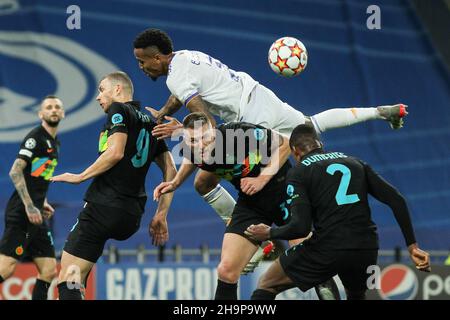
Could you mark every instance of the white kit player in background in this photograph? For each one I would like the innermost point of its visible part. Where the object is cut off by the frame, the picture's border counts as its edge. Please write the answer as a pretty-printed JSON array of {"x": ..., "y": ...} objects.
[{"x": 204, "y": 84}]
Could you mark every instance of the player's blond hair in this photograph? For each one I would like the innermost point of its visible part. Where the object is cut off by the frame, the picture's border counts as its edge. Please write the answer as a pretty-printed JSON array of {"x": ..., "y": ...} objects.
[{"x": 122, "y": 78}]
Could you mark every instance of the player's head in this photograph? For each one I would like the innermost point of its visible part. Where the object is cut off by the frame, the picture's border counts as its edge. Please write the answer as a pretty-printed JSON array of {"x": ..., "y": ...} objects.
[
  {"x": 114, "y": 87},
  {"x": 304, "y": 139},
  {"x": 51, "y": 111},
  {"x": 152, "y": 49},
  {"x": 199, "y": 135}
]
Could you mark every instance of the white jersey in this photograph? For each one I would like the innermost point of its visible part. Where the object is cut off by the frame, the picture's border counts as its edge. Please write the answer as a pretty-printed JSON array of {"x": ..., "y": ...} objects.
[{"x": 225, "y": 91}]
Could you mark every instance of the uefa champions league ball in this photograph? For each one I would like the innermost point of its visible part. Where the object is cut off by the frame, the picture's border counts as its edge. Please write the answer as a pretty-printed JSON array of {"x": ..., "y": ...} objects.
[{"x": 288, "y": 57}]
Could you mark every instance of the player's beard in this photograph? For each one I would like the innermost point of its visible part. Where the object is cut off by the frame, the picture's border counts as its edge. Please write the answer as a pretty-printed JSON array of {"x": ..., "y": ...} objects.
[
  {"x": 153, "y": 78},
  {"x": 51, "y": 123}
]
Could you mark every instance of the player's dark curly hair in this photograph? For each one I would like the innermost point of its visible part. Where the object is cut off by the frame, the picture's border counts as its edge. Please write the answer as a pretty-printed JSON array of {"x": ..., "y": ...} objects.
[{"x": 154, "y": 38}]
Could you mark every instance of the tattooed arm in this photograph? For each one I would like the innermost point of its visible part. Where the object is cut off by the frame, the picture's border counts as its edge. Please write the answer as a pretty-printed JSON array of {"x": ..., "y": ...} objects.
[{"x": 16, "y": 174}]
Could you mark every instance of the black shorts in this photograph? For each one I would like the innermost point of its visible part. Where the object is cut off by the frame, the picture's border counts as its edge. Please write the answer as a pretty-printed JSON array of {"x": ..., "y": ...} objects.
[
  {"x": 263, "y": 208},
  {"x": 95, "y": 225},
  {"x": 26, "y": 241},
  {"x": 308, "y": 266}
]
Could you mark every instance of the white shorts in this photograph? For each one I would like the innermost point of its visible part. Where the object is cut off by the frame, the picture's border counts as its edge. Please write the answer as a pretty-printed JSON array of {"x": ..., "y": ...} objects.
[{"x": 266, "y": 109}]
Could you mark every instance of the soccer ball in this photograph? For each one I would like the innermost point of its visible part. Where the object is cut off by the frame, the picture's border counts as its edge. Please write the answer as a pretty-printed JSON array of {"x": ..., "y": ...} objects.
[{"x": 288, "y": 57}]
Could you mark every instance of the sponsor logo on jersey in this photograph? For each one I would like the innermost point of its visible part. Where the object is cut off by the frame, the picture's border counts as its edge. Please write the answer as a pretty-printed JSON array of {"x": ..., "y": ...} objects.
[{"x": 19, "y": 250}]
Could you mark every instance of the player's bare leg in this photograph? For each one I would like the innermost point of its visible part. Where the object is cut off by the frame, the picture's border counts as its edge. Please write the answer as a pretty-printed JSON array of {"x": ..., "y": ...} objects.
[
  {"x": 46, "y": 273},
  {"x": 207, "y": 185},
  {"x": 272, "y": 282},
  {"x": 7, "y": 267},
  {"x": 72, "y": 276},
  {"x": 264, "y": 250},
  {"x": 236, "y": 253},
  {"x": 275, "y": 280}
]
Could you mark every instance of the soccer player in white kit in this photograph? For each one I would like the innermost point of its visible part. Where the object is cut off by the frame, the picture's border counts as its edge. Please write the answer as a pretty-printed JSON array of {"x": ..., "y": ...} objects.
[{"x": 204, "y": 84}]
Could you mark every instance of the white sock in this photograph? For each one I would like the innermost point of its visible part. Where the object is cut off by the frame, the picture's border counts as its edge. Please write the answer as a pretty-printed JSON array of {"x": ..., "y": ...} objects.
[
  {"x": 221, "y": 201},
  {"x": 339, "y": 118}
]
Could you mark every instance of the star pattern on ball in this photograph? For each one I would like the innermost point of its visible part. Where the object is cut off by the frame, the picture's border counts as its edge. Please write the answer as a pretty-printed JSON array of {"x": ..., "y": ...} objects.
[
  {"x": 278, "y": 44},
  {"x": 296, "y": 50},
  {"x": 281, "y": 64}
]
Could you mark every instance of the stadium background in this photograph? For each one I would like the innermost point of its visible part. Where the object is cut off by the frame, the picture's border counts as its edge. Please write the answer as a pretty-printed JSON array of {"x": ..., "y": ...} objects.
[{"x": 349, "y": 65}]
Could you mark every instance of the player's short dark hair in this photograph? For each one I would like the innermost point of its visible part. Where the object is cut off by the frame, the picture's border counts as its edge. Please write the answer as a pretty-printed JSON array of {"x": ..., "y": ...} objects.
[
  {"x": 50, "y": 96},
  {"x": 195, "y": 119},
  {"x": 154, "y": 38},
  {"x": 303, "y": 137},
  {"x": 123, "y": 78}
]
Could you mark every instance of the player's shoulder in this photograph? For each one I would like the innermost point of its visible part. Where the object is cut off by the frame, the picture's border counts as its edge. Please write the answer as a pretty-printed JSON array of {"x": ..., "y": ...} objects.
[
  {"x": 34, "y": 140},
  {"x": 36, "y": 131},
  {"x": 342, "y": 159},
  {"x": 237, "y": 127},
  {"x": 117, "y": 106},
  {"x": 119, "y": 114},
  {"x": 352, "y": 159},
  {"x": 34, "y": 135},
  {"x": 178, "y": 68},
  {"x": 181, "y": 55},
  {"x": 180, "y": 60},
  {"x": 297, "y": 172}
]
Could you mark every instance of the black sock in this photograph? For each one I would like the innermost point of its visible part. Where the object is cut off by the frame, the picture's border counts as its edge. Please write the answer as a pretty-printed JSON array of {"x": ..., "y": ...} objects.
[
  {"x": 328, "y": 290},
  {"x": 356, "y": 295},
  {"x": 226, "y": 291},
  {"x": 1, "y": 279},
  {"x": 69, "y": 291},
  {"x": 40, "y": 290},
  {"x": 261, "y": 294}
]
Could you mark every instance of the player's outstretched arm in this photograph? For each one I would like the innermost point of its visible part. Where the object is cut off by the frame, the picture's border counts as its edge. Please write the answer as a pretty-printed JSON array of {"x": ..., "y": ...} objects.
[
  {"x": 172, "y": 105},
  {"x": 420, "y": 258},
  {"x": 386, "y": 193},
  {"x": 158, "y": 228},
  {"x": 107, "y": 160},
  {"x": 17, "y": 177},
  {"x": 168, "y": 129},
  {"x": 197, "y": 104},
  {"x": 185, "y": 171},
  {"x": 301, "y": 217},
  {"x": 279, "y": 155},
  {"x": 298, "y": 227}
]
